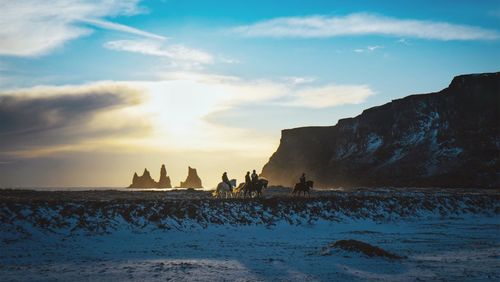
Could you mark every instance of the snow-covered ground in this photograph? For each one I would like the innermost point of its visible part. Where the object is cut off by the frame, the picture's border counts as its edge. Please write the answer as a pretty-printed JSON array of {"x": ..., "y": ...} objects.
[{"x": 441, "y": 237}]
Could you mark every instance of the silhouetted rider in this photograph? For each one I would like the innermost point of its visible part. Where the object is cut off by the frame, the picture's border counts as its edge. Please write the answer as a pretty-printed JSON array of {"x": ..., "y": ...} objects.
[
  {"x": 248, "y": 180},
  {"x": 255, "y": 177},
  {"x": 225, "y": 179},
  {"x": 303, "y": 180}
]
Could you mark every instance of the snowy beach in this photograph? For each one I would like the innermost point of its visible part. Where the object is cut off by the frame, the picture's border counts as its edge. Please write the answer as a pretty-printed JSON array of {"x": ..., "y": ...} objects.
[{"x": 163, "y": 236}]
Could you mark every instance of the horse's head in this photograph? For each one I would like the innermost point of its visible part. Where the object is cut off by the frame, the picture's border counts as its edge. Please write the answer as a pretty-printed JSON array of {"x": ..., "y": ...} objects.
[
  {"x": 310, "y": 183},
  {"x": 233, "y": 182},
  {"x": 264, "y": 182}
]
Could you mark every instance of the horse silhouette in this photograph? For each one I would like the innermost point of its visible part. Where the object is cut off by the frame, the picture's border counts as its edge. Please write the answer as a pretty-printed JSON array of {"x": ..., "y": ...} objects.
[
  {"x": 223, "y": 190},
  {"x": 306, "y": 187},
  {"x": 255, "y": 187},
  {"x": 238, "y": 191}
]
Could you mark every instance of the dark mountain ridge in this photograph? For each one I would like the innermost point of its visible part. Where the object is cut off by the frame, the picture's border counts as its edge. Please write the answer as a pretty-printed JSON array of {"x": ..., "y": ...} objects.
[{"x": 448, "y": 138}]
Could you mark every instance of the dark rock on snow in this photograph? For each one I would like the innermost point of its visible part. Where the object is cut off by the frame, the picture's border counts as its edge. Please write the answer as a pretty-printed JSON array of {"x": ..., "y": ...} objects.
[
  {"x": 445, "y": 139},
  {"x": 361, "y": 247}
]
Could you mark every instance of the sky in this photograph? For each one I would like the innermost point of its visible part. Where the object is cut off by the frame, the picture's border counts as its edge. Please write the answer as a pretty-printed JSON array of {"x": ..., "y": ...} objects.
[{"x": 93, "y": 91}]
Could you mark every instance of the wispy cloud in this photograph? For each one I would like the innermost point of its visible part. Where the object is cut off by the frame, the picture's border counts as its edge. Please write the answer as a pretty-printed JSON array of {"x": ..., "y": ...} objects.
[
  {"x": 227, "y": 60},
  {"x": 297, "y": 80},
  {"x": 33, "y": 28},
  {"x": 368, "y": 49},
  {"x": 495, "y": 13},
  {"x": 330, "y": 96},
  {"x": 154, "y": 48},
  {"x": 363, "y": 24},
  {"x": 404, "y": 41},
  {"x": 122, "y": 28}
]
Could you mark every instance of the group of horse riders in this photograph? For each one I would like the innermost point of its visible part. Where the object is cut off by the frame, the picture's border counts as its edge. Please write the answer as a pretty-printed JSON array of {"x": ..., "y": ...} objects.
[{"x": 251, "y": 180}]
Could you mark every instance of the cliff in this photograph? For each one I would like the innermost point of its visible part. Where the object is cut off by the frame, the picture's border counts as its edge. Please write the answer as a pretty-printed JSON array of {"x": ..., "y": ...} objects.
[
  {"x": 192, "y": 180},
  {"x": 146, "y": 181},
  {"x": 445, "y": 139}
]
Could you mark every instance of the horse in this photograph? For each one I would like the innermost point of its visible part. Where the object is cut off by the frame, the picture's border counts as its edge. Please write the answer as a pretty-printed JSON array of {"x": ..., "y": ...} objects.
[
  {"x": 299, "y": 187},
  {"x": 238, "y": 191},
  {"x": 255, "y": 187},
  {"x": 223, "y": 190}
]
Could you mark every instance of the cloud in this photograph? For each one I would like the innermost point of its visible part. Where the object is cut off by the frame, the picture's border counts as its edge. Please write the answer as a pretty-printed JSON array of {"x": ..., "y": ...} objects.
[
  {"x": 227, "y": 60},
  {"x": 363, "y": 24},
  {"x": 296, "y": 80},
  {"x": 169, "y": 115},
  {"x": 153, "y": 48},
  {"x": 495, "y": 13},
  {"x": 44, "y": 120},
  {"x": 33, "y": 27},
  {"x": 330, "y": 96},
  {"x": 368, "y": 49},
  {"x": 122, "y": 28},
  {"x": 404, "y": 41},
  {"x": 119, "y": 127}
]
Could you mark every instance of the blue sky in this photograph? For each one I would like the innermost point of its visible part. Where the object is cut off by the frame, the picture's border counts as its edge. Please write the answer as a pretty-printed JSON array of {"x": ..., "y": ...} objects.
[{"x": 190, "y": 74}]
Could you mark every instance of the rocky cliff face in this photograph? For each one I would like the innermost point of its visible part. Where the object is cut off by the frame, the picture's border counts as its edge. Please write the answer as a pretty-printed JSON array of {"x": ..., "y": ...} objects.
[
  {"x": 444, "y": 139},
  {"x": 146, "y": 181},
  {"x": 192, "y": 180}
]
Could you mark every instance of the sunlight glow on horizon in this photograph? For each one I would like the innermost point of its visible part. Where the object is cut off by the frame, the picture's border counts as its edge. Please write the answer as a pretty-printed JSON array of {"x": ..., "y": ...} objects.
[{"x": 110, "y": 88}]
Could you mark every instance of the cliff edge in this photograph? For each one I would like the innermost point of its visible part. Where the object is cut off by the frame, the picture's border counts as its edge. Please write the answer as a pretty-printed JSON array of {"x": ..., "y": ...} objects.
[{"x": 448, "y": 138}]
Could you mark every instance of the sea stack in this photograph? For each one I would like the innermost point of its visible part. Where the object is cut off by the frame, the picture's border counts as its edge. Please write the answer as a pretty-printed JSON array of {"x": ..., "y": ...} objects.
[
  {"x": 146, "y": 181},
  {"x": 164, "y": 181},
  {"x": 192, "y": 180}
]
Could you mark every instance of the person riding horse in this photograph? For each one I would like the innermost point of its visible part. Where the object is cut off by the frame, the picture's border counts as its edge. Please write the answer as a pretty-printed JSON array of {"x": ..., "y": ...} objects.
[
  {"x": 248, "y": 180},
  {"x": 253, "y": 184},
  {"x": 303, "y": 179},
  {"x": 225, "y": 179},
  {"x": 303, "y": 185},
  {"x": 255, "y": 177}
]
